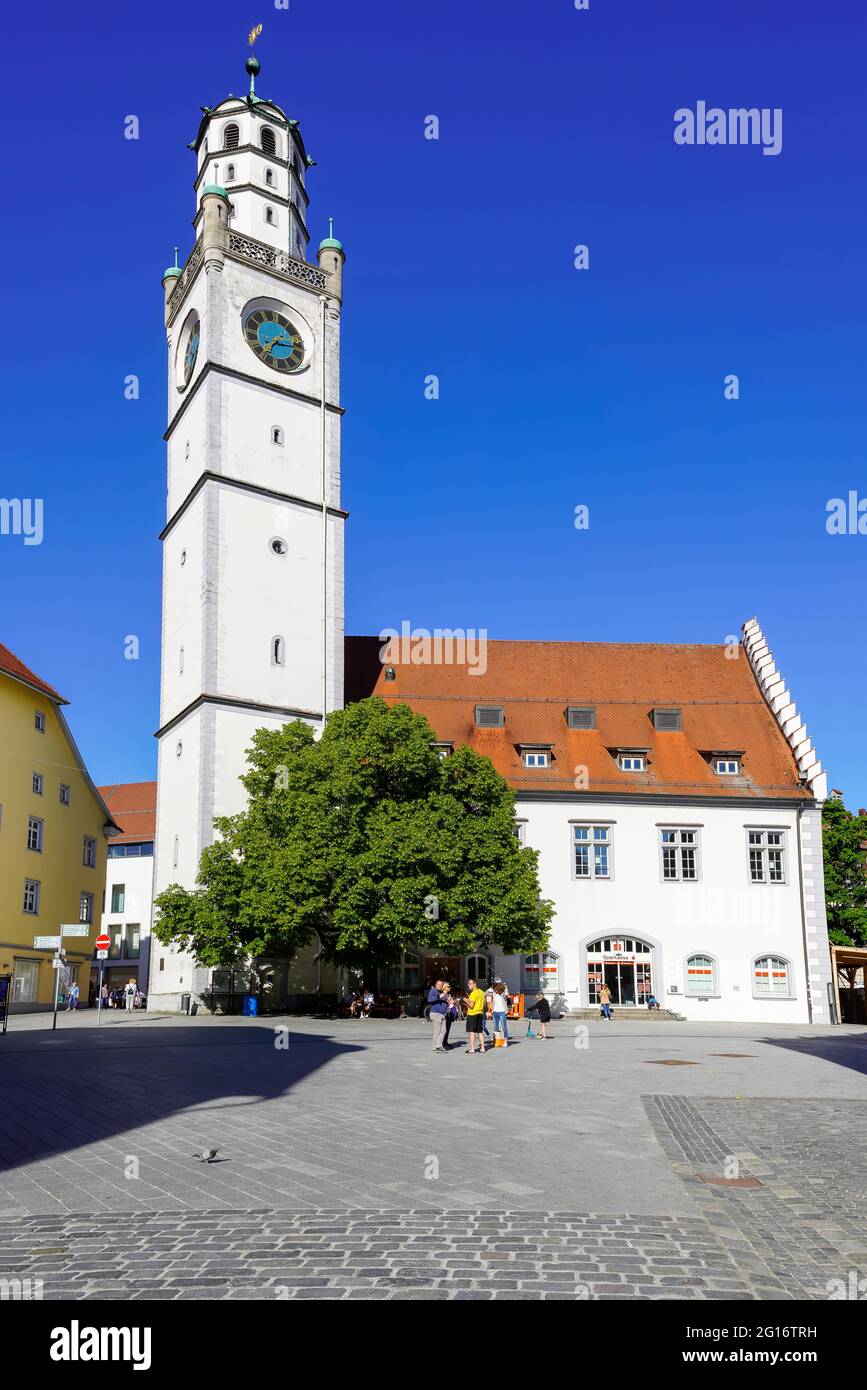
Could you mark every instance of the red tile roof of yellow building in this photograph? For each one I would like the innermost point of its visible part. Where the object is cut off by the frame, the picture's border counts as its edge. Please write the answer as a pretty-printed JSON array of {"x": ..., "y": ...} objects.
[
  {"x": 723, "y": 710},
  {"x": 10, "y": 664}
]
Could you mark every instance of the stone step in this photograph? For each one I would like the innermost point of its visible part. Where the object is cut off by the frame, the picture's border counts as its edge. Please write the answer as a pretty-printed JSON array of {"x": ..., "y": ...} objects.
[{"x": 630, "y": 1015}]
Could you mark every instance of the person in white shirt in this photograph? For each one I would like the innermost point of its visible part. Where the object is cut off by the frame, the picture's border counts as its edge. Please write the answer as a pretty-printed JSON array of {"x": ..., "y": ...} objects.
[{"x": 499, "y": 1010}]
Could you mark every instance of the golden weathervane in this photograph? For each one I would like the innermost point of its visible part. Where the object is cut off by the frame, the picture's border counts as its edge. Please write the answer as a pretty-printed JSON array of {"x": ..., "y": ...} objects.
[{"x": 254, "y": 34}]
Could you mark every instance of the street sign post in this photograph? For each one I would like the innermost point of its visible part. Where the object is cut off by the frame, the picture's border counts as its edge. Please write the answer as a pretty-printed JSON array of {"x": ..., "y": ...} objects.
[
  {"x": 5, "y": 998},
  {"x": 46, "y": 943},
  {"x": 75, "y": 929},
  {"x": 57, "y": 965},
  {"x": 103, "y": 941}
]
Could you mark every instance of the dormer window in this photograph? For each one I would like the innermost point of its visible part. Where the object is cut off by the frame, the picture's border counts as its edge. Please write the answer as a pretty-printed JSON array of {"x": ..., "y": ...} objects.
[
  {"x": 442, "y": 748},
  {"x": 490, "y": 716},
  {"x": 580, "y": 717},
  {"x": 727, "y": 767},
  {"x": 269, "y": 141},
  {"x": 536, "y": 757},
  {"x": 632, "y": 762},
  {"x": 667, "y": 720},
  {"x": 230, "y": 137}
]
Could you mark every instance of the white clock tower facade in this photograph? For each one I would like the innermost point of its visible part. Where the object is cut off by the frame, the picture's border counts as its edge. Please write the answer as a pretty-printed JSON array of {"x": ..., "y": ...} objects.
[{"x": 252, "y": 629}]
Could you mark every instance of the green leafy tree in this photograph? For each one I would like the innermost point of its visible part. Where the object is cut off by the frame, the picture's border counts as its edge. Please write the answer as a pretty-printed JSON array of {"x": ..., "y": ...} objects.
[
  {"x": 364, "y": 840},
  {"x": 844, "y": 837}
]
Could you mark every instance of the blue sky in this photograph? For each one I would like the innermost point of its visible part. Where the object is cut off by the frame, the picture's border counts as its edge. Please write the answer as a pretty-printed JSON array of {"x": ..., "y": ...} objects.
[{"x": 558, "y": 387}]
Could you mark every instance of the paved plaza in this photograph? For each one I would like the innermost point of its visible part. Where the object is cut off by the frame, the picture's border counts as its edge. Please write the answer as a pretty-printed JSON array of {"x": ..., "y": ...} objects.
[{"x": 637, "y": 1159}]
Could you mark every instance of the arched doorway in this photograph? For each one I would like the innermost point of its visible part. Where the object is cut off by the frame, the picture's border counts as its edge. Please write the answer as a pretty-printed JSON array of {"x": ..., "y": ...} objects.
[{"x": 625, "y": 965}]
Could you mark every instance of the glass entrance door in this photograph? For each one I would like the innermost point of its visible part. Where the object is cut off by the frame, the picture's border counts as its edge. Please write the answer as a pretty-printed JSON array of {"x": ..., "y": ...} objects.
[
  {"x": 620, "y": 979},
  {"x": 625, "y": 965}
]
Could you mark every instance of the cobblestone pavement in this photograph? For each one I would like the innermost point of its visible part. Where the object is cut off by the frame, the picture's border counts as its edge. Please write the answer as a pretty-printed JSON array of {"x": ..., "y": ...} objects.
[{"x": 356, "y": 1165}]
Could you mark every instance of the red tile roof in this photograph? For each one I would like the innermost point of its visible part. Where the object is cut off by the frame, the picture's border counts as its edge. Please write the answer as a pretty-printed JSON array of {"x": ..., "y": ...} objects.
[
  {"x": 133, "y": 806},
  {"x": 722, "y": 710},
  {"x": 10, "y": 664}
]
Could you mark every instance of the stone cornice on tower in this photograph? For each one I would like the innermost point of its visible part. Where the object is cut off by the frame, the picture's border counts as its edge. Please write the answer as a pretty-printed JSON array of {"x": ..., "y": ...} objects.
[{"x": 783, "y": 708}]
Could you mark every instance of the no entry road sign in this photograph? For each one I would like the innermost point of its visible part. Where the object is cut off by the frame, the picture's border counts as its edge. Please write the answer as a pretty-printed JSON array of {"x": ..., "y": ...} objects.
[{"x": 103, "y": 941}]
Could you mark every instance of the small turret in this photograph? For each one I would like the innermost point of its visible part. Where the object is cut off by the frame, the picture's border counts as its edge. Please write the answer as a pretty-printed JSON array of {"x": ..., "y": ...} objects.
[
  {"x": 331, "y": 259},
  {"x": 171, "y": 276}
]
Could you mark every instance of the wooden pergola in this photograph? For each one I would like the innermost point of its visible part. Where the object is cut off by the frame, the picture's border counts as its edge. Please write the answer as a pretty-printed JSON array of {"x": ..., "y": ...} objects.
[{"x": 846, "y": 961}]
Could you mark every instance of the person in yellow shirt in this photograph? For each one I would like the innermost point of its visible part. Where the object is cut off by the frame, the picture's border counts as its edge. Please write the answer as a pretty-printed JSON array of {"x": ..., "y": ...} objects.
[{"x": 474, "y": 1000}]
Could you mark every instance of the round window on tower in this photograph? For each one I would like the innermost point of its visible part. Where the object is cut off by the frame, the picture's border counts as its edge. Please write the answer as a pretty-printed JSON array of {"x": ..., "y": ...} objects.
[{"x": 279, "y": 546}]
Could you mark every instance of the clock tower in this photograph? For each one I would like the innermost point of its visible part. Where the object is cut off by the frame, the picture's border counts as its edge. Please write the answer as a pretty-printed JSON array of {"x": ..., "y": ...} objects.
[{"x": 252, "y": 619}]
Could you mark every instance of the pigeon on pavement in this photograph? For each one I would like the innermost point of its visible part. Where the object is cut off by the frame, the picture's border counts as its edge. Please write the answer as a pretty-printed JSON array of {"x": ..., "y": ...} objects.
[{"x": 206, "y": 1155}]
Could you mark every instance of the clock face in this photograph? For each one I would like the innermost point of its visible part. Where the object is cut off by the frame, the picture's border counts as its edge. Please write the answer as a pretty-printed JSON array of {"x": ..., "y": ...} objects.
[
  {"x": 274, "y": 340},
  {"x": 191, "y": 350}
]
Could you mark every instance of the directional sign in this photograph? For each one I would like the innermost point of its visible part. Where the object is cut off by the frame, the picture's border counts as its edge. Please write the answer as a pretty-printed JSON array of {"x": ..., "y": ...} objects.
[
  {"x": 75, "y": 929},
  {"x": 103, "y": 941},
  {"x": 102, "y": 955},
  {"x": 46, "y": 943},
  {"x": 58, "y": 964}
]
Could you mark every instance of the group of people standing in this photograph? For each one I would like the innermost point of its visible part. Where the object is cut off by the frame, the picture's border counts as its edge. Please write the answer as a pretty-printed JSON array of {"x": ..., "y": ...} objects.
[{"x": 478, "y": 1005}]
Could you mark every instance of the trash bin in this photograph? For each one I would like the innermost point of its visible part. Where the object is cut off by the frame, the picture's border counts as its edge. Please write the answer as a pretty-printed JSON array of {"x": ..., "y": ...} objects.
[
  {"x": 185, "y": 1003},
  {"x": 250, "y": 1007}
]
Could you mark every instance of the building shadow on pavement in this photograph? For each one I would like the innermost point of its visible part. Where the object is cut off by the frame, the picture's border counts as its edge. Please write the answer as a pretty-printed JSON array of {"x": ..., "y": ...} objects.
[
  {"x": 62, "y": 1090},
  {"x": 847, "y": 1049}
]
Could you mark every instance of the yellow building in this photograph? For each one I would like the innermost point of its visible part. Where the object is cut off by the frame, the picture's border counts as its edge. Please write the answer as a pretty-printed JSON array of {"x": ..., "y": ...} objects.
[{"x": 53, "y": 831}]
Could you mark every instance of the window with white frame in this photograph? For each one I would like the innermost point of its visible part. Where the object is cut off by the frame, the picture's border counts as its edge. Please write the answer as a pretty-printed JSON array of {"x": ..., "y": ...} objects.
[
  {"x": 632, "y": 762},
  {"x": 269, "y": 177},
  {"x": 271, "y": 217},
  {"x": 89, "y": 853},
  {"x": 38, "y": 784},
  {"x": 767, "y": 851},
  {"x": 726, "y": 767},
  {"x": 701, "y": 975},
  {"x": 592, "y": 846},
  {"x": 34, "y": 834},
  {"x": 85, "y": 910},
  {"x": 519, "y": 830},
  {"x": 118, "y": 897},
  {"x": 39, "y": 721},
  {"x": 64, "y": 794},
  {"x": 771, "y": 976},
  {"x": 32, "y": 888},
  {"x": 442, "y": 748},
  {"x": 535, "y": 757},
  {"x": 679, "y": 851},
  {"x": 230, "y": 173},
  {"x": 540, "y": 973}
]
